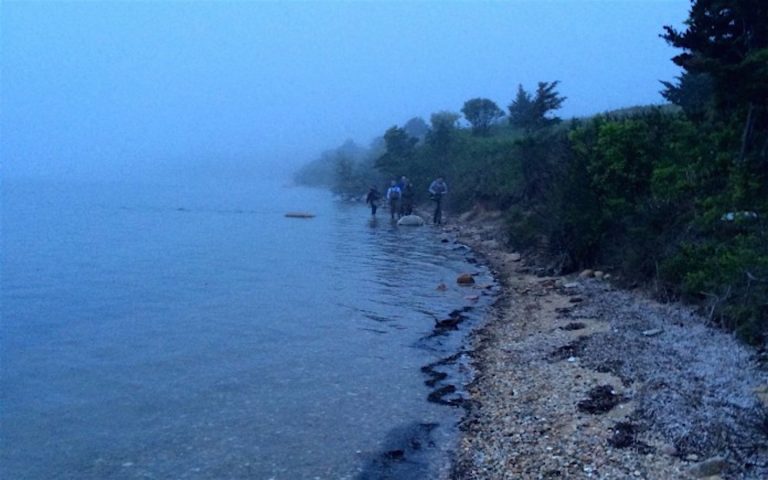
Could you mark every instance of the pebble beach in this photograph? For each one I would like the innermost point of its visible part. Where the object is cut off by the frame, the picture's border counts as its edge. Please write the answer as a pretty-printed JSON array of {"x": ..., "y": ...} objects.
[{"x": 576, "y": 378}]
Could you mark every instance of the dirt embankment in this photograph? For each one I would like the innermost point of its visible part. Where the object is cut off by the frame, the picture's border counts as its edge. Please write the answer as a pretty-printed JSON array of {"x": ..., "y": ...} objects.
[{"x": 578, "y": 379}]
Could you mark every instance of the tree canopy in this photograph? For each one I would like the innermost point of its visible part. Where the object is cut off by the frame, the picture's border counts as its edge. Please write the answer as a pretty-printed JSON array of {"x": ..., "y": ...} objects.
[
  {"x": 481, "y": 113},
  {"x": 531, "y": 112}
]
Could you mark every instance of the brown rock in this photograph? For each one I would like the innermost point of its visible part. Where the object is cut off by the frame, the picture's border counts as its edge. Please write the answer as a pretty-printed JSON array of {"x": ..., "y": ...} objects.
[{"x": 465, "y": 279}]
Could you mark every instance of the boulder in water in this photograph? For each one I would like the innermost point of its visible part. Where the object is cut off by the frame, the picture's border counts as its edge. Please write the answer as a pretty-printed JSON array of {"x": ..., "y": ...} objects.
[
  {"x": 465, "y": 279},
  {"x": 411, "y": 221}
]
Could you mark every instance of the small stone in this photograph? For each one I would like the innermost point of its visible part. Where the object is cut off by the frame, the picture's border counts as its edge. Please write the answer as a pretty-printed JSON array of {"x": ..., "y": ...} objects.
[
  {"x": 571, "y": 285},
  {"x": 652, "y": 332},
  {"x": 442, "y": 287},
  {"x": 668, "y": 449},
  {"x": 514, "y": 257},
  {"x": 692, "y": 457},
  {"x": 465, "y": 279},
  {"x": 587, "y": 273},
  {"x": 599, "y": 274}
]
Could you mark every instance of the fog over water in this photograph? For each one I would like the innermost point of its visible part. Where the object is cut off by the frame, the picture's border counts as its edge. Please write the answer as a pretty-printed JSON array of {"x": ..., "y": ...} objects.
[{"x": 140, "y": 89}]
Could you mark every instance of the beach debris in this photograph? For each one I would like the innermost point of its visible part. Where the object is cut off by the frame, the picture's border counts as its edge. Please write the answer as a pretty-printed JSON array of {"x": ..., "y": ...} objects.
[
  {"x": 574, "y": 326},
  {"x": 395, "y": 454},
  {"x": 625, "y": 436},
  {"x": 465, "y": 279},
  {"x": 300, "y": 215},
  {"x": 600, "y": 400}
]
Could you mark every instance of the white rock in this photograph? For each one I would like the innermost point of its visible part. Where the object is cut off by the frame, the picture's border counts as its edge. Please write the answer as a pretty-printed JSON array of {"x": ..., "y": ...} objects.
[
  {"x": 411, "y": 221},
  {"x": 653, "y": 332}
]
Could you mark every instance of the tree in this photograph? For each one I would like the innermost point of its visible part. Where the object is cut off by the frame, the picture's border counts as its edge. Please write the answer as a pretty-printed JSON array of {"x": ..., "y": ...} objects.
[
  {"x": 693, "y": 93},
  {"x": 444, "y": 126},
  {"x": 416, "y": 128},
  {"x": 481, "y": 113},
  {"x": 728, "y": 41},
  {"x": 530, "y": 112},
  {"x": 399, "y": 150},
  {"x": 521, "y": 110}
]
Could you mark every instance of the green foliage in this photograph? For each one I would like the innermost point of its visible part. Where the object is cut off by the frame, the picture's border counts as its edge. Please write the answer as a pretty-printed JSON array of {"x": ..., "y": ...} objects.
[
  {"x": 400, "y": 148},
  {"x": 676, "y": 196},
  {"x": 727, "y": 40},
  {"x": 481, "y": 113},
  {"x": 444, "y": 127},
  {"x": 531, "y": 112}
]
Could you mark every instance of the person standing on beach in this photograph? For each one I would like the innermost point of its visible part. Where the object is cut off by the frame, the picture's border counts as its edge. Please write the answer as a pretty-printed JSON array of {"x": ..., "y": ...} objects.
[
  {"x": 437, "y": 189},
  {"x": 372, "y": 199},
  {"x": 393, "y": 199},
  {"x": 407, "y": 194}
]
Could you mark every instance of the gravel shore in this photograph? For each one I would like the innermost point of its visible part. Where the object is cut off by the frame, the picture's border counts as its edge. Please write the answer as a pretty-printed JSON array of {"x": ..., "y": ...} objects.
[{"x": 577, "y": 379}]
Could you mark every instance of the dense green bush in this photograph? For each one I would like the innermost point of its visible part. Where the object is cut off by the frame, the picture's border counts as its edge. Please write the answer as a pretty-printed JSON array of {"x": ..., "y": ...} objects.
[{"x": 675, "y": 197}]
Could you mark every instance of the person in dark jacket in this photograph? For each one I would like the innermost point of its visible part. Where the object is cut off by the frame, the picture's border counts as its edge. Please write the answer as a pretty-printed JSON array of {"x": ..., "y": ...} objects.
[
  {"x": 373, "y": 198},
  {"x": 407, "y": 196}
]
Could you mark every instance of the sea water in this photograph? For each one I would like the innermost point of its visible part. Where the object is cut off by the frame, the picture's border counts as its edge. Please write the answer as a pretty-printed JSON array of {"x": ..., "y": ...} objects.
[{"x": 190, "y": 330}]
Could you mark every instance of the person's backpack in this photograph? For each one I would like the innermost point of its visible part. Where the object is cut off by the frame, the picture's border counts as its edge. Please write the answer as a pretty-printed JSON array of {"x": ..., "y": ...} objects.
[{"x": 394, "y": 193}]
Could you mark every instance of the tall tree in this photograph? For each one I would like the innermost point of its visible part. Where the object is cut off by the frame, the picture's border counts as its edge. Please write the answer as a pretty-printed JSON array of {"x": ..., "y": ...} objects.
[
  {"x": 727, "y": 40},
  {"x": 400, "y": 148},
  {"x": 532, "y": 112},
  {"x": 481, "y": 113},
  {"x": 521, "y": 110},
  {"x": 444, "y": 126},
  {"x": 416, "y": 128}
]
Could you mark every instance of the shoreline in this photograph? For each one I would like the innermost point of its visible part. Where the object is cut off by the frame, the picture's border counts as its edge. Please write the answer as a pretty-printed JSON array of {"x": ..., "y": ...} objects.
[{"x": 577, "y": 379}]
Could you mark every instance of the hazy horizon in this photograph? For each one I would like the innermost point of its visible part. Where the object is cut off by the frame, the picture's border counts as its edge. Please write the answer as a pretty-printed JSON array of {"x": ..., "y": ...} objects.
[{"x": 133, "y": 90}]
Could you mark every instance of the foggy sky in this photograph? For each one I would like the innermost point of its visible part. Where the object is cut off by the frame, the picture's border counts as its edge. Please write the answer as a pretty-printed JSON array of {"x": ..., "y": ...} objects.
[{"x": 110, "y": 90}]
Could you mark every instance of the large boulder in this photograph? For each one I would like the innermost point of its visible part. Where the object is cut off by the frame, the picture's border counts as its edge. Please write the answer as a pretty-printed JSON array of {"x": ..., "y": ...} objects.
[{"x": 411, "y": 221}]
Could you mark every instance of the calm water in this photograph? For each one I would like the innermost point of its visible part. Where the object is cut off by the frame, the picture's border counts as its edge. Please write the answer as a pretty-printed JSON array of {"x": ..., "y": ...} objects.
[{"x": 195, "y": 332}]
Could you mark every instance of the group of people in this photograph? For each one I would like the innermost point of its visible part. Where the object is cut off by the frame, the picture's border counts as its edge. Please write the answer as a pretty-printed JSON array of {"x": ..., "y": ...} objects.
[{"x": 400, "y": 196}]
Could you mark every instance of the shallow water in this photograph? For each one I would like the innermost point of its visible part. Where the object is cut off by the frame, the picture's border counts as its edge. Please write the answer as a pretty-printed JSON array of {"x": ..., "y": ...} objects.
[{"x": 192, "y": 331}]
